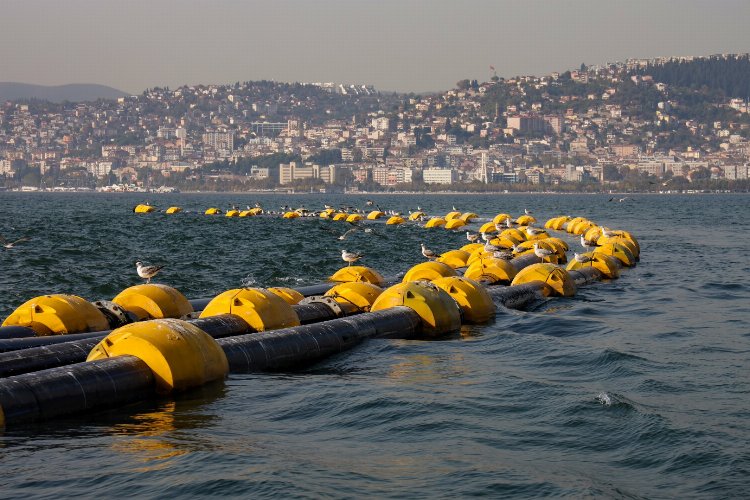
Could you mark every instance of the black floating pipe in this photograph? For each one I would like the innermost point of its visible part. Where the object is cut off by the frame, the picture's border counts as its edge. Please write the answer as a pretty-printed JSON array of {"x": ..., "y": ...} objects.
[
  {"x": 112, "y": 382},
  {"x": 308, "y": 313},
  {"x": 525, "y": 260},
  {"x": 290, "y": 347},
  {"x": 585, "y": 275},
  {"x": 16, "y": 332},
  {"x": 96, "y": 385},
  {"x": 40, "y": 357},
  {"x": 7, "y": 345},
  {"x": 518, "y": 296}
]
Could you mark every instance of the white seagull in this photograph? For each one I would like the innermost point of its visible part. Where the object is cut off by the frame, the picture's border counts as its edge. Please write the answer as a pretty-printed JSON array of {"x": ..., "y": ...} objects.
[
  {"x": 502, "y": 254},
  {"x": 147, "y": 272},
  {"x": 542, "y": 253},
  {"x": 351, "y": 256},
  {"x": 472, "y": 237},
  {"x": 532, "y": 231},
  {"x": 489, "y": 247},
  {"x": 343, "y": 236},
  {"x": 486, "y": 237},
  {"x": 527, "y": 211},
  {"x": 10, "y": 244},
  {"x": 587, "y": 245},
  {"x": 508, "y": 223},
  {"x": 429, "y": 253},
  {"x": 582, "y": 258}
]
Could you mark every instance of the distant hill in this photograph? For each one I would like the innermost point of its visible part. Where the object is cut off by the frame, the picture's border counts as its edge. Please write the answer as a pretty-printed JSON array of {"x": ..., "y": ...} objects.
[
  {"x": 729, "y": 75},
  {"x": 75, "y": 92}
]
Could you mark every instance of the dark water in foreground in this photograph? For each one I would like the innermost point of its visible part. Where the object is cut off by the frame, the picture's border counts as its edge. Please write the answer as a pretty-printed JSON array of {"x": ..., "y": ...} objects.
[{"x": 633, "y": 388}]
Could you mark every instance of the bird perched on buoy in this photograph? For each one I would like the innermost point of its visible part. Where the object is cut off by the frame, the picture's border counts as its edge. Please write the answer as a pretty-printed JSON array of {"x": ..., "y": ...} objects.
[
  {"x": 351, "y": 256},
  {"x": 429, "y": 253},
  {"x": 502, "y": 254},
  {"x": 508, "y": 223},
  {"x": 532, "y": 231},
  {"x": 147, "y": 272},
  {"x": 472, "y": 237},
  {"x": 489, "y": 247},
  {"x": 486, "y": 237},
  {"x": 542, "y": 253},
  {"x": 582, "y": 258},
  {"x": 586, "y": 244}
]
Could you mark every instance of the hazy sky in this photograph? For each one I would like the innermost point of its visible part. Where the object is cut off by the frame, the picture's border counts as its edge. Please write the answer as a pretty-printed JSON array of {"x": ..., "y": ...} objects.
[{"x": 404, "y": 45}]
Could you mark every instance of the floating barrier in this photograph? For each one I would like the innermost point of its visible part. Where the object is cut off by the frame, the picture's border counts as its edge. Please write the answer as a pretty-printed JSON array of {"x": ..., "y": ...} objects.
[
  {"x": 27, "y": 355},
  {"x": 247, "y": 330}
]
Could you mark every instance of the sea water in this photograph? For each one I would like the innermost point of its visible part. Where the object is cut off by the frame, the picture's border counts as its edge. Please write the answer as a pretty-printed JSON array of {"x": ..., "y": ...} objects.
[{"x": 636, "y": 387}]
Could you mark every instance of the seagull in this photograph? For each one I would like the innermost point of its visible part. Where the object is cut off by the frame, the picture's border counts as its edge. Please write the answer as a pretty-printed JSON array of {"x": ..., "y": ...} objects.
[
  {"x": 10, "y": 244},
  {"x": 486, "y": 237},
  {"x": 454, "y": 208},
  {"x": 542, "y": 253},
  {"x": 147, "y": 272},
  {"x": 582, "y": 258},
  {"x": 429, "y": 253},
  {"x": 472, "y": 237},
  {"x": 508, "y": 223},
  {"x": 532, "y": 231},
  {"x": 499, "y": 227},
  {"x": 607, "y": 233},
  {"x": 502, "y": 254},
  {"x": 489, "y": 247},
  {"x": 369, "y": 203},
  {"x": 351, "y": 256},
  {"x": 586, "y": 244},
  {"x": 527, "y": 211},
  {"x": 347, "y": 233}
]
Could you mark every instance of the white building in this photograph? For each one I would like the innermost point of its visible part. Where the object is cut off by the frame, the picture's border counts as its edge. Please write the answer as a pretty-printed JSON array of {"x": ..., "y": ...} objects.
[{"x": 439, "y": 176}]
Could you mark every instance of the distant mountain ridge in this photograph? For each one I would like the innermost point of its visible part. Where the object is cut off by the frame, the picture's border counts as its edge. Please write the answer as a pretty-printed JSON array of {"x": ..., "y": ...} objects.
[{"x": 74, "y": 92}]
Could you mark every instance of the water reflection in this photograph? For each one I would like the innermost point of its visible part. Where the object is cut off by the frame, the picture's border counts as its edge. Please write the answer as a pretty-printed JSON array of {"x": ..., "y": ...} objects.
[
  {"x": 154, "y": 437},
  {"x": 425, "y": 368}
]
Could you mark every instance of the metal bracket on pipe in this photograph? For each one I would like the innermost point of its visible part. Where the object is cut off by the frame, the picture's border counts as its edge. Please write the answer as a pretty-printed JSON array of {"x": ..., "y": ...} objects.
[
  {"x": 328, "y": 301},
  {"x": 116, "y": 315}
]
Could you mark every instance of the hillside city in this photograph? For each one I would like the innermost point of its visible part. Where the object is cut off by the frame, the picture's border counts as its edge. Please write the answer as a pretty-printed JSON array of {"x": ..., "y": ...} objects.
[{"x": 638, "y": 125}]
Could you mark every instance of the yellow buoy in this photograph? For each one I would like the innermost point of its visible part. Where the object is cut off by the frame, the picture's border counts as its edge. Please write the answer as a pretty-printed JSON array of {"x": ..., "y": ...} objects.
[
  {"x": 454, "y": 224},
  {"x": 439, "y": 312},
  {"x": 472, "y": 298},
  {"x": 435, "y": 222}
]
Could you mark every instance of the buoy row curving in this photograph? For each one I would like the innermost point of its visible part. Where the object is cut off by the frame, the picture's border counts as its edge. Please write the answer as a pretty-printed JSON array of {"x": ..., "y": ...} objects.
[{"x": 160, "y": 349}]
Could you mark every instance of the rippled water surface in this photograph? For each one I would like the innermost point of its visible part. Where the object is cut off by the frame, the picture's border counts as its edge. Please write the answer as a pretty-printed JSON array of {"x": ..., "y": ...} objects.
[{"x": 633, "y": 388}]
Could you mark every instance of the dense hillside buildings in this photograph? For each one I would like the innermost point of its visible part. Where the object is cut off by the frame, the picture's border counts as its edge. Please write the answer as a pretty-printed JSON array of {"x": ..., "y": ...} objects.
[{"x": 602, "y": 125}]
